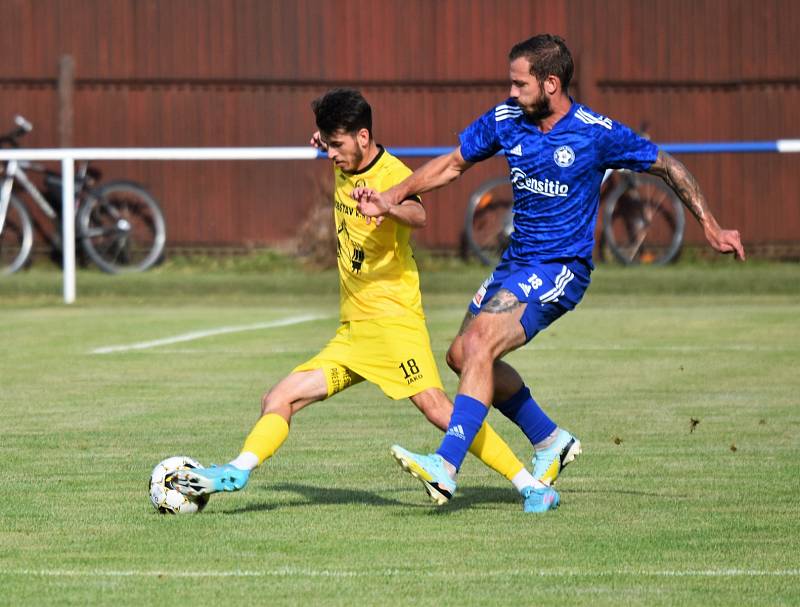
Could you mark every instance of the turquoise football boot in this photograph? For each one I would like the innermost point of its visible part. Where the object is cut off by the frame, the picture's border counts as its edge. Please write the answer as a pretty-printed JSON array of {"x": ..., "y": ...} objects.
[
  {"x": 204, "y": 481},
  {"x": 548, "y": 463},
  {"x": 539, "y": 500},
  {"x": 429, "y": 470}
]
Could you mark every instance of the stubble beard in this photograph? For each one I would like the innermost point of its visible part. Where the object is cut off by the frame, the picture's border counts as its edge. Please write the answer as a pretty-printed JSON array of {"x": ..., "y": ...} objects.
[
  {"x": 541, "y": 108},
  {"x": 358, "y": 158}
]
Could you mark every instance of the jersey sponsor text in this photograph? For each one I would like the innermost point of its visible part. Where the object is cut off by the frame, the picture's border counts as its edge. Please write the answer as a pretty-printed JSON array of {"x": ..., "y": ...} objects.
[{"x": 545, "y": 187}]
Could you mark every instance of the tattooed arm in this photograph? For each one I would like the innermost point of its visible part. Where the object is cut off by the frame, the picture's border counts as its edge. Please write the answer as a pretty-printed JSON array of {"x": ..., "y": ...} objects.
[{"x": 678, "y": 177}]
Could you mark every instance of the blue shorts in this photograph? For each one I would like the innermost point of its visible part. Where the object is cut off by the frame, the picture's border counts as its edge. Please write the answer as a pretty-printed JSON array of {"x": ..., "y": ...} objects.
[{"x": 549, "y": 288}]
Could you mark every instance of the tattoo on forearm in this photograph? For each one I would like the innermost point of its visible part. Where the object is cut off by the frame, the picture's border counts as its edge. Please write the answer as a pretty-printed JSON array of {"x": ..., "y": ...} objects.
[
  {"x": 503, "y": 301},
  {"x": 686, "y": 186}
]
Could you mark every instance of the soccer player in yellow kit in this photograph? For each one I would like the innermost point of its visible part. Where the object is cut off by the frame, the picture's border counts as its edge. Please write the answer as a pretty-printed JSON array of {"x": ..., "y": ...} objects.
[{"x": 382, "y": 337}]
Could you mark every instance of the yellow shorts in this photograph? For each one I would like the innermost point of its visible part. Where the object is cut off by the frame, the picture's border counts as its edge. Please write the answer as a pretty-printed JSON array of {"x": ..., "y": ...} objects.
[{"x": 392, "y": 353}]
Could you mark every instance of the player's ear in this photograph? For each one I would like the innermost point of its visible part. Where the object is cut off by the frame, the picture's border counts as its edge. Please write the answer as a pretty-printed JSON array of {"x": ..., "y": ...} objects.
[
  {"x": 363, "y": 137},
  {"x": 552, "y": 84}
]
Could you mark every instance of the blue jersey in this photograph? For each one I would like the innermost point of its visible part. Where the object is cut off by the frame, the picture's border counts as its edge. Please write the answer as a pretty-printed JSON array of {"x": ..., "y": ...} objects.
[{"x": 556, "y": 176}]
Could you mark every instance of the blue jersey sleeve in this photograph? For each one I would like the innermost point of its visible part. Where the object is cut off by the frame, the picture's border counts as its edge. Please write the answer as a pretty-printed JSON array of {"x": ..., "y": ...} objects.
[
  {"x": 624, "y": 149},
  {"x": 479, "y": 140}
]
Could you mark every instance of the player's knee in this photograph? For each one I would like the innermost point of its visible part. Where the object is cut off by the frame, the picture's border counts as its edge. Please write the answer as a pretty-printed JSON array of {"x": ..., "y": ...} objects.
[
  {"x": 454, "y": 358},
  {"x": 266, "y": 401},
  {"x": 475, "y": 346},
  {"x": 271, "y": 403}
]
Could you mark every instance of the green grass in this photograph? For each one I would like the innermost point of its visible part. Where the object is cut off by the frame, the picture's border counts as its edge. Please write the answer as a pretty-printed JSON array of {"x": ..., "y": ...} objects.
[{"x": 652, "y": 514}]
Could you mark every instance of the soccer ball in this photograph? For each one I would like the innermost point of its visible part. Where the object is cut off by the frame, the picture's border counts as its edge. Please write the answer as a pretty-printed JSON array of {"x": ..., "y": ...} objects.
[{"x": 163, "y": 494}]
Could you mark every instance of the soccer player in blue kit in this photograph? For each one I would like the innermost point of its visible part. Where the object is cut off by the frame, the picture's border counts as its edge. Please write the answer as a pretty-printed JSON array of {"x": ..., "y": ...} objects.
[{"x": 557, "y": 152}]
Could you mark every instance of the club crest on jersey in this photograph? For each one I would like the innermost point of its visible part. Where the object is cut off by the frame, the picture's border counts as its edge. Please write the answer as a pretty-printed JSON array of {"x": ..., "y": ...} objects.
[{"x": 564, "y": 156}]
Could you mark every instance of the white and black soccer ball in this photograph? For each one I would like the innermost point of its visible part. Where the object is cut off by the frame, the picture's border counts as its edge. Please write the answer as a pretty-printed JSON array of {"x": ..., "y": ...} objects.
[{"x": 163, "y": 494}]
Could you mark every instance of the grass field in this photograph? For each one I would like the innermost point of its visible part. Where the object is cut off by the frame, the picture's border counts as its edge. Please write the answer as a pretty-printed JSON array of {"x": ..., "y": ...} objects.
[{"x": 658, "y": 511}]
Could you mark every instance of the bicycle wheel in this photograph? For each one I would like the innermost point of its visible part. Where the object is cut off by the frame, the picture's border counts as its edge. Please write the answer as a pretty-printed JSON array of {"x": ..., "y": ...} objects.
[
  {"x": 643, "y": 221},
  {"x": 16, "y": 237},
  {"x": 121, "y": 227},
  {"x": 489, "y": 220}
]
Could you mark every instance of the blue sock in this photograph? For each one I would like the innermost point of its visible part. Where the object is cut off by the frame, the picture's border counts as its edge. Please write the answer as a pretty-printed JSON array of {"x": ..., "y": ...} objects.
[
  {"x": 528, "y": 415},
  {"x": 466, "y": 421}
]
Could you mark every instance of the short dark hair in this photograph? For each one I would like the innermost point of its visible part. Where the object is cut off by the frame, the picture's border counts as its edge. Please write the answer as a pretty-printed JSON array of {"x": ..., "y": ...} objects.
[
  {"x": 342, "y": 109},
  {"x": 547, "y": 54}
]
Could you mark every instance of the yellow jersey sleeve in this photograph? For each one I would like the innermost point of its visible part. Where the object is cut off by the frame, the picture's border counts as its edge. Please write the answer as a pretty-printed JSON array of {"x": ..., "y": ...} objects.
[{"x": 378, "y": 276}]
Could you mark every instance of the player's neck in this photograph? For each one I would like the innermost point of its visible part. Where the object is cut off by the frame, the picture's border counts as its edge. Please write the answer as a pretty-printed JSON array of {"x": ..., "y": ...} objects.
[
  {"x": 369, "y": 157},
  {"x": 561, "y": 106}
]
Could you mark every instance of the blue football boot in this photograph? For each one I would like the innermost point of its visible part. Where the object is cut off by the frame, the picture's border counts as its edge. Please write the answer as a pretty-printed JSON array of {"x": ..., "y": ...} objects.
[
  {"x": 548, "y": 463},
  {"x": 204, "y": 481},
  {"x": 429, "y": 470},
  {"x": 539, "y": 500}
]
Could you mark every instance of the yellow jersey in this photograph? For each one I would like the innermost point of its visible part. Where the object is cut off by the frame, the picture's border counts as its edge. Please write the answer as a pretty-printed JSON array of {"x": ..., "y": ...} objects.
[{"x": 378, "y": 276}]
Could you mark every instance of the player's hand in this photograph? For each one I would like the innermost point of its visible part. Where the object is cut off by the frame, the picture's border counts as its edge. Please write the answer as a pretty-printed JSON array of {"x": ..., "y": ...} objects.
[
  {"x": 373, "y": 205},
  {"x": 316, "y": 141},
  {"x": 726, "y": 241}
]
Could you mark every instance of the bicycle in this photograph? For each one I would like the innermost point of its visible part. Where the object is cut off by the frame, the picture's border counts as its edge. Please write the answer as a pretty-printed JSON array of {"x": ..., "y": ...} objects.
[
  {"x": 119, "y": 224},
  {"x": 643, "y": 220}
]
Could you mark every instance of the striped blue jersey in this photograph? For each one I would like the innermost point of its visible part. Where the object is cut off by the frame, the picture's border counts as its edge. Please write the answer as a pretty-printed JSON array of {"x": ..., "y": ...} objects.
[{"x": 556, "y": 176}]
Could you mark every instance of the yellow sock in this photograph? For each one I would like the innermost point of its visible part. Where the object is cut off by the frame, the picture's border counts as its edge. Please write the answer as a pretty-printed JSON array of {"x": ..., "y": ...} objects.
[
  {"x": 495, "y": 453},
  {"x": 266, "y": 436}
]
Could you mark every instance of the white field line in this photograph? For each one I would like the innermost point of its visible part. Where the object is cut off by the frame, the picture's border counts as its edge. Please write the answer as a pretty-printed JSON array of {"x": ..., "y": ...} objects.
[
  {"x": 143, "y": 345},
  {"x": 393, "y": 573}
]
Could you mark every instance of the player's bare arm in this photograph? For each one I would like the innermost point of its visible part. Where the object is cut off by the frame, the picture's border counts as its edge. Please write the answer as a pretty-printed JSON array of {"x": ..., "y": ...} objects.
[
  {"x": 432, "y": 175},
  {"x": 410, "y": 213},
  {"x": 678, "y": 177}
]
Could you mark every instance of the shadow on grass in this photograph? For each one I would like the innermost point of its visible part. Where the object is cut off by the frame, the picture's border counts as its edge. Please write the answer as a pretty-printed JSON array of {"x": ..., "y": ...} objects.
[
  {"x": 491, "y": 498},
  {"x": 317, "y": 495},
  {"x": 485, "y": 498},
  {"x": 472, "y": 497}
]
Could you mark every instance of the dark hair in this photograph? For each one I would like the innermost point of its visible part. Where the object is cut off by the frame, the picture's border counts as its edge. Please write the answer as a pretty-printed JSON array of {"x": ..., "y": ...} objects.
[
  {"x": 548, "y": 55},
  {"x": 342, "y": 109}
]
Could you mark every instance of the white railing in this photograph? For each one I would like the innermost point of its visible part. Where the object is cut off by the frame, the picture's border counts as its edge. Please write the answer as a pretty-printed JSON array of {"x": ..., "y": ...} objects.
[{"x": 68, "y": 156}]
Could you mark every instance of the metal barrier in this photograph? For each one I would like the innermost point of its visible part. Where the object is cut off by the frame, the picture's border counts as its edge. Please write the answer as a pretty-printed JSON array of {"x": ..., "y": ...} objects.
[{"x": 68, "y": 156}]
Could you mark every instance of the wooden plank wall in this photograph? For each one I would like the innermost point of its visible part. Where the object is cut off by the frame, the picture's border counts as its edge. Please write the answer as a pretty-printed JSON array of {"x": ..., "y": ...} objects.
[
  {"x": 713, "y": 70},
  {"x": 243, "y": 72}
]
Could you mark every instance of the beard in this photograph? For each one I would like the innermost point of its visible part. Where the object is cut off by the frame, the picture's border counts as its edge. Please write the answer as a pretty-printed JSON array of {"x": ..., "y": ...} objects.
[
  {"x": 540, "y": 109},
  {"x": 358, "y": 158}
]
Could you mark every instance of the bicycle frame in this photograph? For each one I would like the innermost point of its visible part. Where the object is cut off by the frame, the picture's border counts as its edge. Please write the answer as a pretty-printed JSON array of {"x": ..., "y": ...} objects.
[
  {"x": 14, "y": 172},
  {"x": 5, "y": 194}
]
